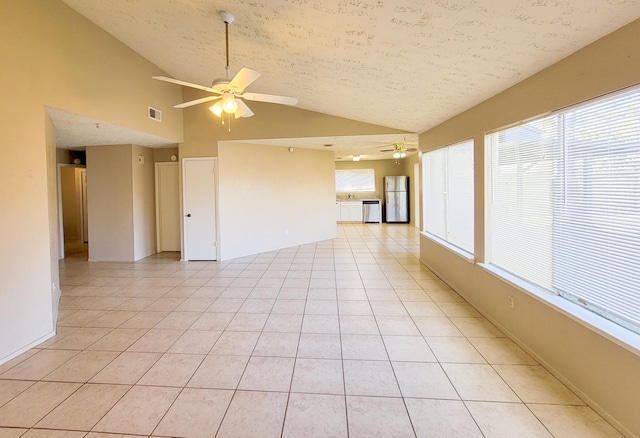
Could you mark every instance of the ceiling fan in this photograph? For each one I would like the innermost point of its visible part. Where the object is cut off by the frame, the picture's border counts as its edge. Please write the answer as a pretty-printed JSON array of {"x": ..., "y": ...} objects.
[
  {"x": 399, "y": 150},
  {"x": 230, "y": 92}
]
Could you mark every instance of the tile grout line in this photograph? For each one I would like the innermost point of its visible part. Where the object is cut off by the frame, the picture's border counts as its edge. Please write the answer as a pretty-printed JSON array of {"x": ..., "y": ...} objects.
[
  {"x": 344, "y": 380},
  {"x": 386, "y": 247},
  {"x": 187, "y": 382},
  {"x": 295, "y": 361},
  {"x": 235, "y": 391},
  {"x": 391, "y": 365}
]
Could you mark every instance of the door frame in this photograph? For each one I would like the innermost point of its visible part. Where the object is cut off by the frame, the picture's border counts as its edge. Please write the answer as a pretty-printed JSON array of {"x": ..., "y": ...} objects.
[
  {"x": 157, "y": 196},
  {"x": 183, "y": 240}
]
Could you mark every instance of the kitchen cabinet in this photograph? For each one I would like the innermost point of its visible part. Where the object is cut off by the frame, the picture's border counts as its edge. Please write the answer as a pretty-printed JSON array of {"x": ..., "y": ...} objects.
[{"x": 349, "y": 211}]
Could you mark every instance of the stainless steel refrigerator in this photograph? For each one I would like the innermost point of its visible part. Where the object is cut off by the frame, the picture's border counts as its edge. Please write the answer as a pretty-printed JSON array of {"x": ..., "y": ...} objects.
[{"x": 396, "y": 199}]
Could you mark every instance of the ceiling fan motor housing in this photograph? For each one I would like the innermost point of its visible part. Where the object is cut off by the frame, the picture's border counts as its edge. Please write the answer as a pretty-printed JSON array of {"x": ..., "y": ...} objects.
[
  {"x": 227, "y": 17},
  {"x": 220, "y": 85}
]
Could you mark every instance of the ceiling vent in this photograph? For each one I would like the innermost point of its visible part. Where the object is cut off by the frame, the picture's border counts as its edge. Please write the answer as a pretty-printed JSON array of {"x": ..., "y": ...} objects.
[{"x": 155, "y": 114}]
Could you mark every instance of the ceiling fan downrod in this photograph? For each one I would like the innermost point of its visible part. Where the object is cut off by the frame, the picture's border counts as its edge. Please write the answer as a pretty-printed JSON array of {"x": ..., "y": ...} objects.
[{"x": 228, "y": 18}]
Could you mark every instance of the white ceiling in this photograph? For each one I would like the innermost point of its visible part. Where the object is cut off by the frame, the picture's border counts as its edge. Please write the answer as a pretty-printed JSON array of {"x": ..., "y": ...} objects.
[{"x": 404, "y": 64}]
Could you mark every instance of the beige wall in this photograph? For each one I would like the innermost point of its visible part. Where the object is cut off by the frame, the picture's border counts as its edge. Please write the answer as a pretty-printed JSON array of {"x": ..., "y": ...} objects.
[
  {"x": 51, "y": 296},
  {"x": 121, "y": 202},
  {"x": 52, "y": 56},
  {"x": 110, "y": 202},
  {"x": 144, "y": 210},
  {"x": 202, "y": 130},
  {"x": 265, "y": 190},
  {"x": 604, "y": 373},
  {"x": 161, "y": 155}
]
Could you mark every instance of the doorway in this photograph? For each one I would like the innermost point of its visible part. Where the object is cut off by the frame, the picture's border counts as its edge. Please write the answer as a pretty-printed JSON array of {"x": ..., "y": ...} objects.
[
  {"x": 72, "y": 199},
  {"x": 167, "y": 207}
]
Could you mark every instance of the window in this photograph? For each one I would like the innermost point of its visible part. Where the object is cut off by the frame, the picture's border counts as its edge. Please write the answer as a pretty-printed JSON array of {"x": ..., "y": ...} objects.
[
  {"x": 448, "y": 188},
  {"x": 564, "y": 206},
  {"x": 355, "y": 180}
]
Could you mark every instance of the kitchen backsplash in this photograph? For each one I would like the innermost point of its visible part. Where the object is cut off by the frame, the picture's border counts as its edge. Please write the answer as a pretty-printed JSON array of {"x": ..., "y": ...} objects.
[{"x": 356, "y": 196}]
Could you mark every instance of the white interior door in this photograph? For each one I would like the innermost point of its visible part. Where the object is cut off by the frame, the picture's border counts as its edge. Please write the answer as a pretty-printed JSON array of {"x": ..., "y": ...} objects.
[
  {"x": 199, "y": 208},
  {"x": 168, "y": 206}
]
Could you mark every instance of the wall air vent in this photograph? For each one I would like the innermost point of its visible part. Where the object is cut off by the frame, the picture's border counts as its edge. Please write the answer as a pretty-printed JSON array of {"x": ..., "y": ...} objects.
[{"x": 155, "y": 114}]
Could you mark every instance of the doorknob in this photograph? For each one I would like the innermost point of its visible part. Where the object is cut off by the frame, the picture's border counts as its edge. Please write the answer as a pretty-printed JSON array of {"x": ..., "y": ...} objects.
[{"x": 189, "y": 215}]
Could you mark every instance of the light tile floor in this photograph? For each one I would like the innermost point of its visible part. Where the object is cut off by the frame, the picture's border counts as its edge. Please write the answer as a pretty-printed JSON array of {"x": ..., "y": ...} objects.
[{"x": 348, "y": 337}]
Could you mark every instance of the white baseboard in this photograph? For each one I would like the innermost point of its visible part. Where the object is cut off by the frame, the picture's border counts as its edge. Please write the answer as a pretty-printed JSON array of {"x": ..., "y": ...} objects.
[{"x": 27, "y": 347}]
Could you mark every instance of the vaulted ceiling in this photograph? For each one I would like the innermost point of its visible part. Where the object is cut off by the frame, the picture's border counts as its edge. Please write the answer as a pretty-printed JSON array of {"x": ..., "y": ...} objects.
[{"x": 404, "y": 64}]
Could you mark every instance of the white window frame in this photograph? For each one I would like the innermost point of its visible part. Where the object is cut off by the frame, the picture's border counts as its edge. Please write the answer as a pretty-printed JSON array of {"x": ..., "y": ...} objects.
[
  {"x": 609, "y": 328},
  {"x": 442, "y": 238},
  {"x": 356, "y": 180}
]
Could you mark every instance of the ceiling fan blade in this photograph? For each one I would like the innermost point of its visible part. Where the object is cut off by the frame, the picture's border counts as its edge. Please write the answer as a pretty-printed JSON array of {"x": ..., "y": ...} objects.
[
  {"x": 271, "y": 98},
  {"x": 243, "y": 79},
  {"x": 186, "y": 84},
  {"x": 197, "y": 101},
  {"x": 387, "y": 150},
  {"x": 243, "y": 110}
]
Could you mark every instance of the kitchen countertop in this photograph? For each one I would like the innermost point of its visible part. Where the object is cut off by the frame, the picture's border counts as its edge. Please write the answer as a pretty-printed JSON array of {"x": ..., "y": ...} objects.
[{"x": 359, "y": 199}]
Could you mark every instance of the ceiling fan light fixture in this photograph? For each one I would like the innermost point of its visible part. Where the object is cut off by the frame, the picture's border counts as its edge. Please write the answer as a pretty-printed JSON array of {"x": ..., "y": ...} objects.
[
  {"x": 229, "y": 104},
  {"x": 227, "y": 89},
  {"x": 396, "y": 155},
  {"x": 356, "y": 158},
  {"x": 216, "y": 108}
]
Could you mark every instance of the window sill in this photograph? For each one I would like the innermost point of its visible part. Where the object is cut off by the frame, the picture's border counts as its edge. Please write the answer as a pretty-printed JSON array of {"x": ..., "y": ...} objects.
[
  {"x": 619, "y": 335},
  {"x": 457, "y": 250}
]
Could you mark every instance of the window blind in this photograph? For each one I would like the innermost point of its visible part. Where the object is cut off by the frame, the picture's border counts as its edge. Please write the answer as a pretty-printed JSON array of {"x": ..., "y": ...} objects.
[
  {"x": 597, "y": 214},
  {"x": 435, "y": 202},
  {"x": 449, "y": 194},
  {"x": 565, "y": 205},
  {"x": 521, "y": 208},
  {"x": 355, "y": 180}
]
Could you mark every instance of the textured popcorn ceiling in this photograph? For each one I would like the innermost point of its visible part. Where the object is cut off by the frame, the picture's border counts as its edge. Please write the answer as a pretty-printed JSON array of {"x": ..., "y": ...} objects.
[
  {"x": 77, "y": 131},
  {"x": 406, "y": 64}
]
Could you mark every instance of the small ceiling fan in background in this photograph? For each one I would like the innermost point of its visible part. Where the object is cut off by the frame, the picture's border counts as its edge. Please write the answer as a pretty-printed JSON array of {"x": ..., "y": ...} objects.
[
  {"x": 230, "y": 92},
  {"x": 399, "y": 150}
]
